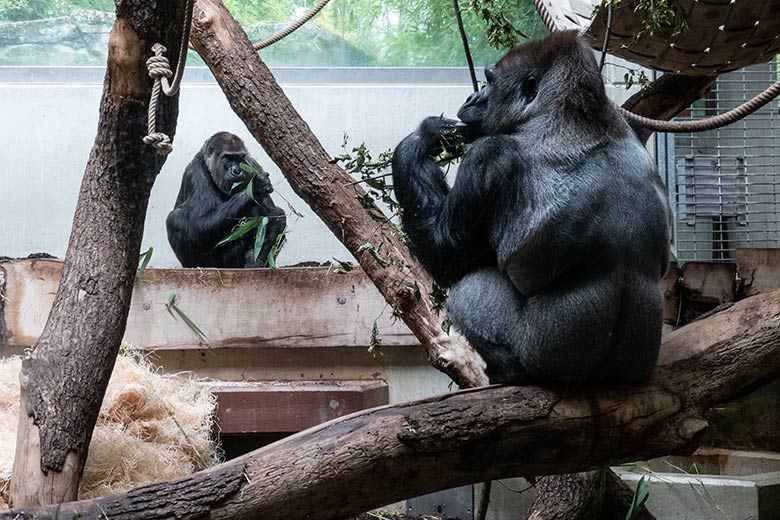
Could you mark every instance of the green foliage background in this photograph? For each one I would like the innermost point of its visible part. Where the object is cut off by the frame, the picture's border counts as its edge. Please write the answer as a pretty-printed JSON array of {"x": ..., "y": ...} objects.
[{"x": 389, "y": 33}]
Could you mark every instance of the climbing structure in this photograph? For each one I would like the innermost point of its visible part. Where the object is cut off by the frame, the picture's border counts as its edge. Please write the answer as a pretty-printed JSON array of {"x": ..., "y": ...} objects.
[{"x": 721, "y": 35}]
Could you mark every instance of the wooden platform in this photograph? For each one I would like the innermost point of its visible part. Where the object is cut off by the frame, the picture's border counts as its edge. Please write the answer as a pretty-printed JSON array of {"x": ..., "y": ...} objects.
[
  {"x": 235, "y": 308},
  {"x": 285, "y": 407}
]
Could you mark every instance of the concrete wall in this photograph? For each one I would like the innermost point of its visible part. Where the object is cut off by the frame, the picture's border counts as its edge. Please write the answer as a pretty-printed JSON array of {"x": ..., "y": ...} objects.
[{"x": 48, "y": 120}]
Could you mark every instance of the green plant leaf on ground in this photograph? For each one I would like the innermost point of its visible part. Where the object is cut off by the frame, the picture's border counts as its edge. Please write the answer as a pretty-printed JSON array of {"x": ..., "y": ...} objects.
[
  {"x": 174, "y": 310},
  {"x": 640, "y": 497},
  {"x": 144, "y": 259}
]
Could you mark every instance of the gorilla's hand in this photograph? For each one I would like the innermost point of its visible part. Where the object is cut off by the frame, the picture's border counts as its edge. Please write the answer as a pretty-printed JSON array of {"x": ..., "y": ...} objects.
[
  {"x": 469, "y": 133},
  {"x": 438, "y": 135},
  {"x": 261, "y": 184}
]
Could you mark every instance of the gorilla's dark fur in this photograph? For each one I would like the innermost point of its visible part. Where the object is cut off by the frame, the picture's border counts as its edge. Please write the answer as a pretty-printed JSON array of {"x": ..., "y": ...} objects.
[
  {"x": 555, "y": 233},
  {"x": 207, "y": 209}
]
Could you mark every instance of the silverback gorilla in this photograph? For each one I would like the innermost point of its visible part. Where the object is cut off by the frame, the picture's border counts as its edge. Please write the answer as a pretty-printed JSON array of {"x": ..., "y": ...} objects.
[
  {"x": 554, "y": 234},
  {"x": 213, "y": 199}
]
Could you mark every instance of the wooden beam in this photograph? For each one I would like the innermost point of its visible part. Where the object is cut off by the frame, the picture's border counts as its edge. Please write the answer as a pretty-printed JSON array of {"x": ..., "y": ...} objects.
[
  {"x": 236, "y": 308},
  {"x": 286, "y": 407}
]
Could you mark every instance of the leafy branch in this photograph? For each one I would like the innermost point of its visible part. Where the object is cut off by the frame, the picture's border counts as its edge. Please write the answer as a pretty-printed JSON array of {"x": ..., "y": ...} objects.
[
  {"x": 501, "y": 32},
  {"x": 258, "y": 223},
  {"x": 657, "y": 15}
]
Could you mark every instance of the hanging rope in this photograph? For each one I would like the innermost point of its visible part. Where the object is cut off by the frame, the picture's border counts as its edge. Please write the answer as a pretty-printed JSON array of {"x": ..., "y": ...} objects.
[
  {"x": 545, "y": 15},
  {"x": 697, "y": 125},
  {"x": 160, "y": 71},
  {"x": 293, "y": 27}
]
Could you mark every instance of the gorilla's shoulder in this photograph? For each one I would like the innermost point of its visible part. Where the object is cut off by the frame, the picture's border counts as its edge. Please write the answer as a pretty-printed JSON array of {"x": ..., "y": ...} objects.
[{"x": 495, "y": 152}]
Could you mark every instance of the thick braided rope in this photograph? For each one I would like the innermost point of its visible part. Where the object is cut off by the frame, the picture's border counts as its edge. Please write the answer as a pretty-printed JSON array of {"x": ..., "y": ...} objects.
[
  {"x": 698, "y": 125},
  {"x": 545, "y": 15},
  {"x": 293, "y": 27},
  {"x": 709, "y": 123},
  {"x": 160, "y": 71}
]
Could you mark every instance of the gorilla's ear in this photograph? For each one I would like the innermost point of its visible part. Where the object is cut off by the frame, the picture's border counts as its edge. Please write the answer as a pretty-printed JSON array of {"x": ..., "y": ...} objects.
[
  {"x": 530, "y": 88},
  {"x": 210, "y": 150}
]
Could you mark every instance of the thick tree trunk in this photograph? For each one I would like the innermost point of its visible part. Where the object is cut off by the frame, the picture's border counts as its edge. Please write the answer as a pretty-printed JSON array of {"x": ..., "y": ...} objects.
[
  {"x": 378, "y": 456},
  {"x": 588, "y": 495},
  {"x": 64, "y": 381},
  {"x": 577, "y": 495},
  {"x": 261, "y": 104}
]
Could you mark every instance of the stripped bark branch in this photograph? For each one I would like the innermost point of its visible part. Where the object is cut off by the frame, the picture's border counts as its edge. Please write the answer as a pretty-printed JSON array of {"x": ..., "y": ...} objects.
[{"x": 256, "y": 97}]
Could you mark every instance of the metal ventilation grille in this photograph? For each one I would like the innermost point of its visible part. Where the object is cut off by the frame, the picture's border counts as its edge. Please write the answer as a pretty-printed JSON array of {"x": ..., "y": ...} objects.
[{"x": 726, "y": 189}]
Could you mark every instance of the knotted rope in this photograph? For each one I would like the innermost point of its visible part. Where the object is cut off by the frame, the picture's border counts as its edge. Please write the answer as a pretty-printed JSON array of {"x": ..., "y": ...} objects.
[{"x": 160, "y": 71}]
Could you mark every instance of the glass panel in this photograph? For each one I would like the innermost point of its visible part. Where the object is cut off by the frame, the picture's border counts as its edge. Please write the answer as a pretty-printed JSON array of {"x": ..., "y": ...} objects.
[{"x": 346, "y": 33}]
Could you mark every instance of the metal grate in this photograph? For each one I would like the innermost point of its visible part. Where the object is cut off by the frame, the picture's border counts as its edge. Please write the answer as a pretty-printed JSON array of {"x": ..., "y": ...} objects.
[{"x": 724, "y": 185}]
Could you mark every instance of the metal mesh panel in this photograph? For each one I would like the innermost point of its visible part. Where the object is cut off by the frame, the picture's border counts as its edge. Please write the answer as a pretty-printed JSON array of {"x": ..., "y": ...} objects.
[{"x": 726, "y": 189}]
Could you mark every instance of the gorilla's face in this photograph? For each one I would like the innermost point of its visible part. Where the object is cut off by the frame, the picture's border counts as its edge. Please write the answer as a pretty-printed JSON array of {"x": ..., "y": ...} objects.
[
  {"x": 503, "y": 104},
  {"x": 535, "y": 79},
  {"x": 223, "y": 154}
]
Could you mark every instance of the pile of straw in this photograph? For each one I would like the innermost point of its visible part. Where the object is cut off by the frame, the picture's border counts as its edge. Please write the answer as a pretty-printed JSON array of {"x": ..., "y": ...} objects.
[{"x": 152, "y": 428}]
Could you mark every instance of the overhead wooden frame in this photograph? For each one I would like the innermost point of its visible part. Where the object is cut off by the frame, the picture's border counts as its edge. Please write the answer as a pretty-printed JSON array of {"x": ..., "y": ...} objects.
[{"x": 722, "y": 35}]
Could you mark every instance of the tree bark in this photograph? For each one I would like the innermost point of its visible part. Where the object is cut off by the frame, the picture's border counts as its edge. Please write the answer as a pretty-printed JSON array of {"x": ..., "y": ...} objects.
[
  {"x": 577, "y": 495},
  {"x": 63, "y": 382},
  {"x": 261, "y": 104},
  {"x": 375, "y": 457},
  {"x": 591, "y": 494}
]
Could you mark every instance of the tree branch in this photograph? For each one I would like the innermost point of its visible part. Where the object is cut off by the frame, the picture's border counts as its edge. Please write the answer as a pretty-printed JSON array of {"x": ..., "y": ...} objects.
[
  {"x": 261, "y": 104},
  {"x": 379, "y": 456}
]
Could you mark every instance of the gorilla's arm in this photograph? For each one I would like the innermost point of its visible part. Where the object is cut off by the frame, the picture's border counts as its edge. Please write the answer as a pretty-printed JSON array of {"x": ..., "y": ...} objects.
[{"x": 447, "y": 227}]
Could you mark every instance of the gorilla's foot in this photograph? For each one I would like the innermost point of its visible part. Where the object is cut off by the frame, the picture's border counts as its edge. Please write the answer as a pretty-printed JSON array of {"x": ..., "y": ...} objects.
[{"x": 458, "y": 360}]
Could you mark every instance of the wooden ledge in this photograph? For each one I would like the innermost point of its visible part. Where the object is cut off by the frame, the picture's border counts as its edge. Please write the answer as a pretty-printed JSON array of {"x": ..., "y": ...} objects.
[
  {"x": 291, "y": 406},
  {"x": 236, "y": 308}
]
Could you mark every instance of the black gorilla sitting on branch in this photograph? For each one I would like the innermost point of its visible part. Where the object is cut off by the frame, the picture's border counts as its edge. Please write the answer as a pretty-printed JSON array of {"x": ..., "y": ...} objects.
[
  {"x": 213, "y": 199},
  {"x": 554, "y": 234}
]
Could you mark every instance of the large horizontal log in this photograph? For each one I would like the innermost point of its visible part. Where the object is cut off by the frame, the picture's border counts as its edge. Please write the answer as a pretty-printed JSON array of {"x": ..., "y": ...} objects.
[
  {"x": 378, "y": 456},
  {"x": 282, "y": 308}
]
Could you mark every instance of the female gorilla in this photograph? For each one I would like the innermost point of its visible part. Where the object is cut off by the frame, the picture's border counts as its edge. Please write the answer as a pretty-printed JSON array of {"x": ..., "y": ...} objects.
[
  {"x": 213, "y": 199},
  {"x": 554, "y": 234}
]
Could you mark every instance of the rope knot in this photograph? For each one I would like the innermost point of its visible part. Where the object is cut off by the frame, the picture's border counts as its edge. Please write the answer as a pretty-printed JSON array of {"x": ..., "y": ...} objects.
[
  {"x": 159, "y": 67},
  {"x": 160, "y": 141}
]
